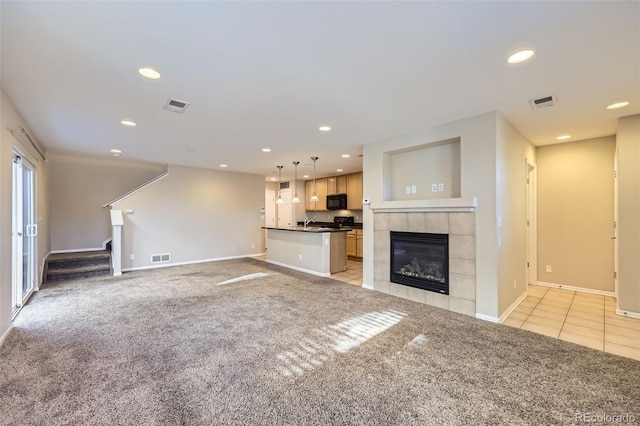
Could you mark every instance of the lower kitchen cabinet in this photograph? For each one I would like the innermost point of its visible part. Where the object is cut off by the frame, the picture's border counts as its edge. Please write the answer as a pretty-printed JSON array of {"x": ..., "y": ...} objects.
[{"x": 354, "y": 243}]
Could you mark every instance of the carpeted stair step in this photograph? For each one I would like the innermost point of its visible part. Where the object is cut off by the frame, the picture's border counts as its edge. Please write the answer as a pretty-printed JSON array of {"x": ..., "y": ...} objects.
[{"x": 64, "y": 266}]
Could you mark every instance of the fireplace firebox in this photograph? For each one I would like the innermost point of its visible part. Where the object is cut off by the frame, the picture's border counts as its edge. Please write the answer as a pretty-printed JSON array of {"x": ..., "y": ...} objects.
[{"x": 420, "y": 260}]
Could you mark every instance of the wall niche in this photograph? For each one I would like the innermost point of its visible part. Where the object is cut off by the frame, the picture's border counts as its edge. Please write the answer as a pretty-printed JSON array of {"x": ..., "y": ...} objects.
[{"x": 413, "y": 173}]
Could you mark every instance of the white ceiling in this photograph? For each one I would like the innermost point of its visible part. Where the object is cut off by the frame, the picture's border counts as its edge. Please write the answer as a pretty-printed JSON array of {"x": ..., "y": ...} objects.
[{"x": 267, "y": 74}]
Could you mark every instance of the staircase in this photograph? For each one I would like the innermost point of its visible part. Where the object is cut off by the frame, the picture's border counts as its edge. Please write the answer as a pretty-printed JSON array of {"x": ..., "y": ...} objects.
[{"x": 66, "y": 266}]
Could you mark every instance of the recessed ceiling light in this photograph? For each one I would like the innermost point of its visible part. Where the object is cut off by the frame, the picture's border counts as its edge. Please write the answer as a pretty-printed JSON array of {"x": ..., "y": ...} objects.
[
  {"x": 223, "y": 165},
  {"x": 345, "y": 156},
  {"x": 618, "y": 105},
  {"x": 266, "y": 149},
  {"x": 128, "y": 123},
  {"x": 520, "y": 56},
  {"x": 150, "y": 73},
  {"x": 563, "y": 137},
  {"x": 339, "y": 170},
  {"x": 305, "y": 176},
  {"x": 116, "y": 151},
  {"x": 324, "y": 128},
  {"x": 115, "y": 154}
]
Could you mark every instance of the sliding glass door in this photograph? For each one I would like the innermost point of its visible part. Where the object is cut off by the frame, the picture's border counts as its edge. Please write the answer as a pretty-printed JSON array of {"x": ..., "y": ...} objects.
[{"x": 24, "y": 232}]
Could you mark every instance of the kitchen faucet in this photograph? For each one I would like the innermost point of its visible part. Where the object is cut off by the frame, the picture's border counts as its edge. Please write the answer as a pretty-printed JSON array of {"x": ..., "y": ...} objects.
[{"x": 308, "y": 221}]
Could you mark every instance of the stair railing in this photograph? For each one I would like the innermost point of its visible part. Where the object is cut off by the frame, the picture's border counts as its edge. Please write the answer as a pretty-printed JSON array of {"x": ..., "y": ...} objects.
[
  {"x": 134, "y": 190},
  {"x": 116, "y": 242}
]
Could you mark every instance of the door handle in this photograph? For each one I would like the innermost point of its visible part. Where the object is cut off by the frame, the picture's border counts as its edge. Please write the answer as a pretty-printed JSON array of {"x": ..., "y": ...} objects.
[
  {"x": 613, "y": 237},
  {"x": 19, "y": 234}
]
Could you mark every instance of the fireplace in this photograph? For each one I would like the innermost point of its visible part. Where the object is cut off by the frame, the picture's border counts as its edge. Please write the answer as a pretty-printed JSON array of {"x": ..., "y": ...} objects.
[{"x": 420, "y": 260}]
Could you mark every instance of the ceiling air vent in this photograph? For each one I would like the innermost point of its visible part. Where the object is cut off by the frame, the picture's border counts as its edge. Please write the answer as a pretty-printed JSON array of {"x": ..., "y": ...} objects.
[
  {"x": 175, "y": 105},
  {"x": 547, "y": 101}
]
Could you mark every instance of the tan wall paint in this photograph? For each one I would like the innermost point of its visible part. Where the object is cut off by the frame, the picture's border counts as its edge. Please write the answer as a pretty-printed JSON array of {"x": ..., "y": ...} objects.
[
  {"x": 628, "y": 140},
  {"x": 575, "y": 213},
  {"x": 80, "y": 186},
  {"x": 194, "y": 214},
  {"x": 11, "y": 118},
  {"x": 478, "y": 170},
  {"x": 513, "y": 151}
]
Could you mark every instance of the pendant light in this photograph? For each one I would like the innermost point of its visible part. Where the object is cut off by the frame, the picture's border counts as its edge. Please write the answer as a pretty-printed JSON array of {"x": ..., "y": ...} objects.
[
  {"x": 295, "y": 183},
  {"x": 314, "y": 197},
  {"x": 280, "y": 200}
]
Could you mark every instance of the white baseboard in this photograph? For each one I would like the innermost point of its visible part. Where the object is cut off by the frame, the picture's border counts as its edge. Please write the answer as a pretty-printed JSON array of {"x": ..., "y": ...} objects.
[
  {"x": 367, "y": 286},
  {"x": 487, "y": 318},
  {"x": 306, "y": 271},
  {"x": 190, "y": 262},
  {"x": 628, "y": 314},
  {"x": 513, "y": 306},
  {"x": 5, "y": 335},
  {"x": 579, "y": 289}
]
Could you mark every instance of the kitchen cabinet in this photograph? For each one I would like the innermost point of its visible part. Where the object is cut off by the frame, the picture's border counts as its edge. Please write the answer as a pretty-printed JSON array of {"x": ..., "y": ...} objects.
[
  {"x": 337, "y": 185},
  {"x": 354, "y": 243},
  {"x": 354, "y": 191},
  {"x": 321, "y": 192}
]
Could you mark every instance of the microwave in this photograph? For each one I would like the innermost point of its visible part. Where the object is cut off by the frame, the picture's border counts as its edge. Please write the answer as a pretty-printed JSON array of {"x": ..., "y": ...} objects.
[{"x": 337, "y": 202}]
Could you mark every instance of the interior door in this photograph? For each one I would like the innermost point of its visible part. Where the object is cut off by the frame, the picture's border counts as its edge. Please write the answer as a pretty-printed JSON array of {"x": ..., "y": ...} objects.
[
  {"x": 284, "y": 209},
  {"x": 24, "y": 232},
  {"x": 532, "y": 276},
  {"x": 269, "y": 211}
]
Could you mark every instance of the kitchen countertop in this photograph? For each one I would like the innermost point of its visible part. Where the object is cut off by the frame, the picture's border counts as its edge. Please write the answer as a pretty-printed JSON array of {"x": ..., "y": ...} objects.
[
  {"x": 333, "y": 225},
  {"x": 312, "y": 229}
]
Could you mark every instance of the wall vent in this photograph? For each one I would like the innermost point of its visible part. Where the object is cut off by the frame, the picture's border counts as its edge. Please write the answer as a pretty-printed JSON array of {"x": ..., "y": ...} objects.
[
  {"x": 175, "y": 105},
  {"x": 547, "y": 101},
  {"x": 284, "y": 185},
  {"x": 160, "y": 258}
]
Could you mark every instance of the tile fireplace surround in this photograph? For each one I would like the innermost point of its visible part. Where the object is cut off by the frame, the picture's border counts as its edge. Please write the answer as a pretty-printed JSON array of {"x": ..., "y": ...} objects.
[{"x": 462, "y": 256}]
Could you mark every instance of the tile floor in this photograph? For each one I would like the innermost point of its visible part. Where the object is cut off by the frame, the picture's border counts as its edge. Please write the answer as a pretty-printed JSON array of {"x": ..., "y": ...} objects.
[{"x": 582, "y": 318}]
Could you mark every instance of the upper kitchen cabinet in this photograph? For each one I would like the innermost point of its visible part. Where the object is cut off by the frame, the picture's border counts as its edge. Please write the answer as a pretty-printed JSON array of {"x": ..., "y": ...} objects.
[
  {"x": 321, "y": 191},
  {"x": 337, "y": 185},
  {"x": 354, "y": 191}
]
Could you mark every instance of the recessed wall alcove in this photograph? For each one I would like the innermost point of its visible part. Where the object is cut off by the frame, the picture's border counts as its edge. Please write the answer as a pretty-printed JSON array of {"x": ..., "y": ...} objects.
[{"x": 423, "y": 172}]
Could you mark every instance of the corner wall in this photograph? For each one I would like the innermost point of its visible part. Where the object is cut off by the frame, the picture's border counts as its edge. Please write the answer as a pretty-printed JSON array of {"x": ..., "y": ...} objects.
[
  {"x": 195, "y": 215},
  {"x": 80, "y": 186},
  {"x": 11, "y": 118},
  {"x": 628, "y": 141},
  {"x": 576, "y": 213}
]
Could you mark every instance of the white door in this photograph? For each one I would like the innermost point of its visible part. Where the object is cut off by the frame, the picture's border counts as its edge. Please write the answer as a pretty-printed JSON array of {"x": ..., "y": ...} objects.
[
  {"x": 284, "y": 209},
  {"x": 269, "y": 211},
  {"x": 614, "y": 236},
  {"x": 24, "y": 232},
  {"x": 532, "y": 275}
]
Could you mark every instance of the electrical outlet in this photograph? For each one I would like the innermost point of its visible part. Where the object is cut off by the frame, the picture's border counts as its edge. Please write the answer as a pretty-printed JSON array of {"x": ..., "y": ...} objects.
[
  {"x": 548, "y": 268},
  {"x": 434, "y": 187},
  {"x": 299, "y": 257},
  {"x": 253, "y": 246},
  {"x": 407, "y": 190},
  {"x": 440, "y": 187},
  {"x": 499, "y": 242},
  {"x": 413, "y": 189},
  {"x": 131, "y": 256},
  {"x": 514, "y": 283}
]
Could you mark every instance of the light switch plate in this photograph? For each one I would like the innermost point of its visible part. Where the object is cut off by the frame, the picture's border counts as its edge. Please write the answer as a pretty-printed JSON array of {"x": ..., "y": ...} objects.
[
  {"x": 413, "y": 189},
  {"x": 366, "y": 201},
  {"x": 440, "y": 187},
  {"x": 434, "y": 187}
]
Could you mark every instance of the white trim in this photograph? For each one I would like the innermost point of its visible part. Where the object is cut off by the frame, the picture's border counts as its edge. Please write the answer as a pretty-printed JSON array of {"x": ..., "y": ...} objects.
[
  {"x": 438, "y": 205},
  {"x": 487, "y": 318},
  {"x": 367, "y": 286},
  {"x": 76, "y": 250},
  {"x": 579, "y": 289},
  {"x": 190, "y": 262},
  {"x": 513, "y": 306},
  {"x": 135, "y": 190},
  {"x": 306, "y": 271},
  {"x": 627, "y": 314},
  {"x": 5, "y": 335}
]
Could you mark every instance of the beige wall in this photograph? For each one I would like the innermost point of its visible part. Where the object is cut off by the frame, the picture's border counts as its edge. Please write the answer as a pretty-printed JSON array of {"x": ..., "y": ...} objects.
[
  {"x": 193, "y": 214},
  {"x": 513, "y": 151},
  {"x": 478, "y": 179},
  {"x": 421, "y": 168},
  {"x": 575, "y": 213},
  {"x": 80, "y": 186},
  {"x": 628, "y": 140},
  {"x": 11, "y": 118}
]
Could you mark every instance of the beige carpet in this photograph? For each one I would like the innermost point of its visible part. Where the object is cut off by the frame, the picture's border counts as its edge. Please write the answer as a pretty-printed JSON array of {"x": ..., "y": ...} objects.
[{"x": 244, "y": 342}]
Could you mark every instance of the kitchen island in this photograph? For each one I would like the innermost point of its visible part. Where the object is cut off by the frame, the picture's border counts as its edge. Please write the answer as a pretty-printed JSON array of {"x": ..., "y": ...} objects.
[{"x": 316, "y": 251}]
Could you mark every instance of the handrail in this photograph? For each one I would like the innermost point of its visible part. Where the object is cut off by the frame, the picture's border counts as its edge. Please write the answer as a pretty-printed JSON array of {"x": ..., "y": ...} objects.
[{"x": 136, "y": 189}]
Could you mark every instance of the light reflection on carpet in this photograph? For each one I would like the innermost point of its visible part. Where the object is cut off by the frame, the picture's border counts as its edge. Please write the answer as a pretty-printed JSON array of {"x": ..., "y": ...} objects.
[
  {"x": 336, "y": 338},
  {"x": 244, "y": 278}
]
